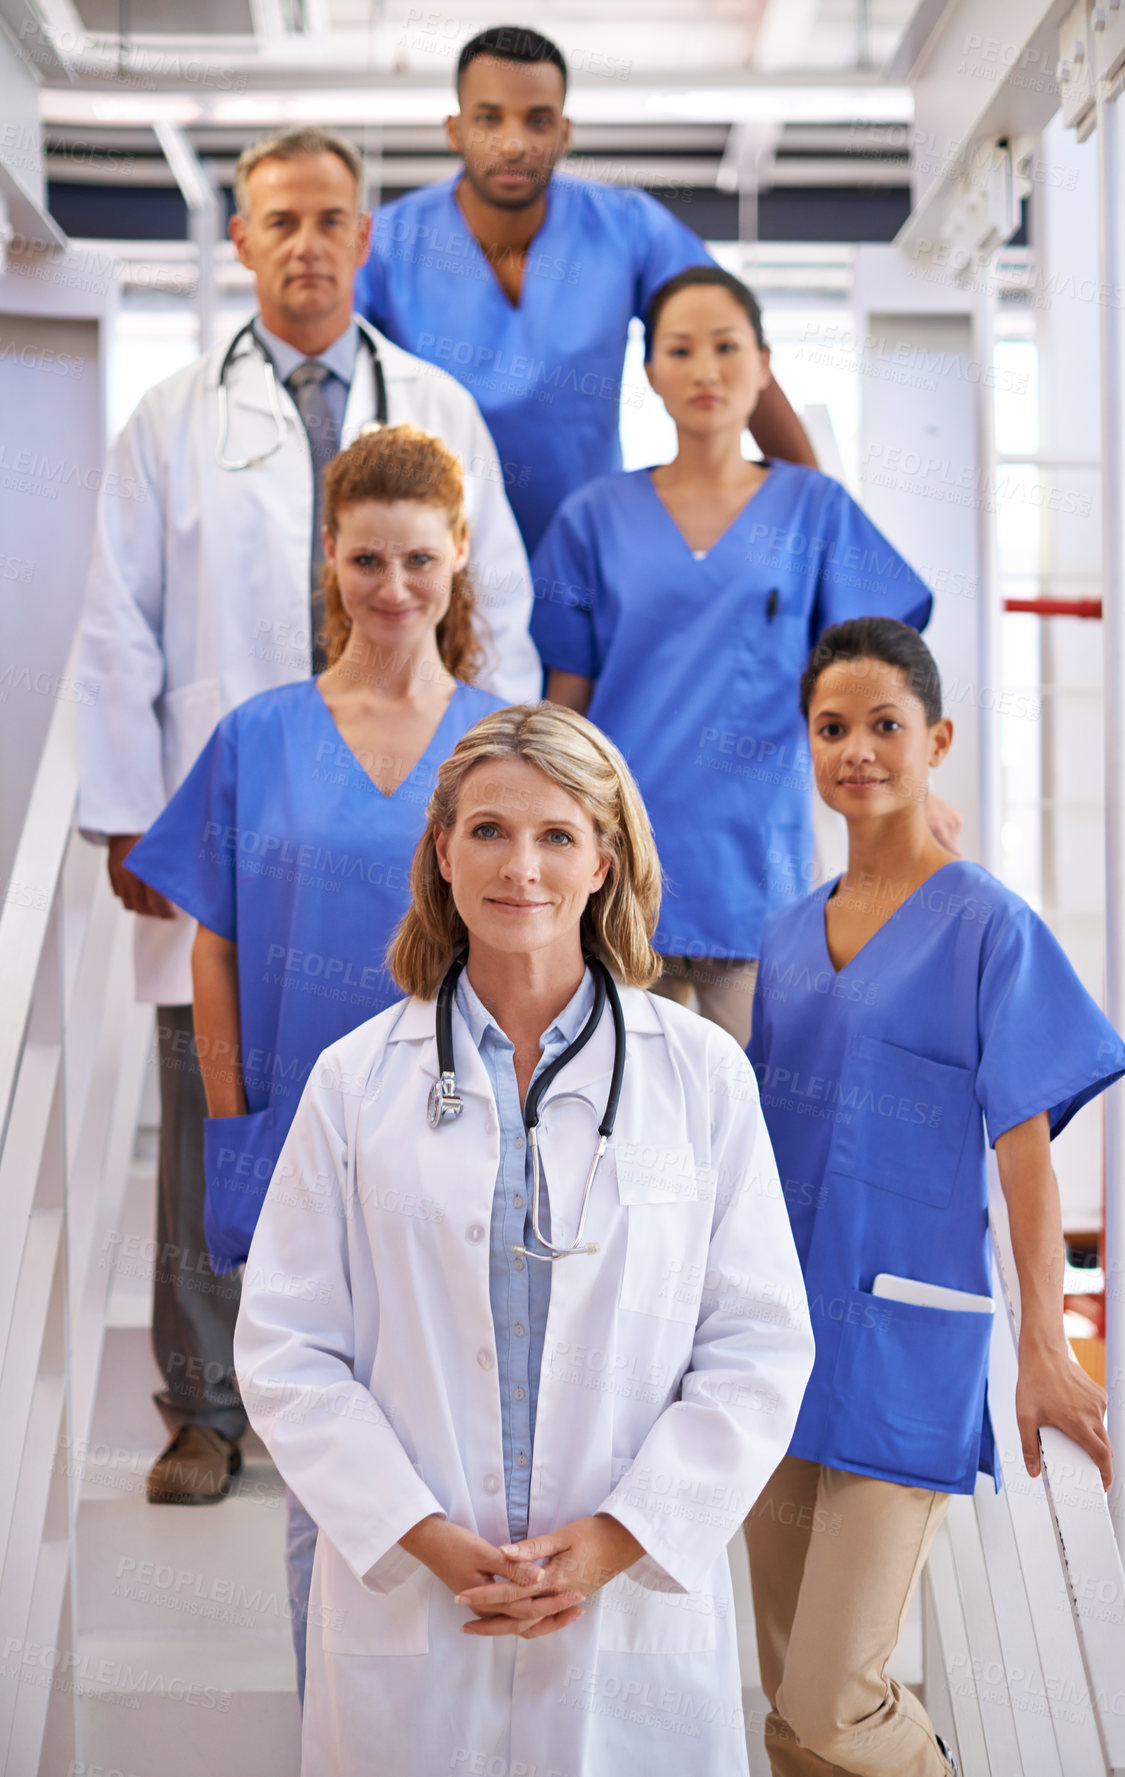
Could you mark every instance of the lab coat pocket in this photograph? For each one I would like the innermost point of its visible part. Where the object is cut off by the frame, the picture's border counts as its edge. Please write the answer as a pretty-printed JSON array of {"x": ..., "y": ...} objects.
[
  {"x": 188, "y": 719},
  {"x": 668, "y": 1200},
  {"x": 909, "y": 1390},
  {"x": 354, "y": 1620},
  {"x": 634, "y": 1620},
  {"x": 239, "y": 1156},
  {"x": 903, "y": 1122}
]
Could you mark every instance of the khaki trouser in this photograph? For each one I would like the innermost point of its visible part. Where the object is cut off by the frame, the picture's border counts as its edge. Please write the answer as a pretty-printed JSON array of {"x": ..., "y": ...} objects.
[
  {"x": 834, "y": 1560},
  {"x": 723, "y": 989}
]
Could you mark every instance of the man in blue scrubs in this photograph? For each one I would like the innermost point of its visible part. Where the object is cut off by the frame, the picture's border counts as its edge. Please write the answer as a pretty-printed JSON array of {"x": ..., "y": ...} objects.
[{"x": 522, "y": 282}]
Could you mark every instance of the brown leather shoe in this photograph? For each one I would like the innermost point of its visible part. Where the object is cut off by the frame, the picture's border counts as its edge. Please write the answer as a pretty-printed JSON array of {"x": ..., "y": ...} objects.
[{"x": 195, "y": 1470}]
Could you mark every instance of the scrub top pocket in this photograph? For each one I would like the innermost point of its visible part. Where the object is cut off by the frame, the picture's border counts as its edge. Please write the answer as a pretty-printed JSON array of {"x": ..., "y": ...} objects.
[
  {"x": 668, "y": 1201},
  {"x": 772, "y": 653},
  {"x": 239, "y": 1156},
  {"x": 909, "y": 1390},
  {"x": 907, "y": 1120}
]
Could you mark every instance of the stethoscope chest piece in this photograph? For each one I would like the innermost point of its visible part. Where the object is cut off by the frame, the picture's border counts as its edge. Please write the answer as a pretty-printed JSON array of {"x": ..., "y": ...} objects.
[{"x": 444, "y": 1101}]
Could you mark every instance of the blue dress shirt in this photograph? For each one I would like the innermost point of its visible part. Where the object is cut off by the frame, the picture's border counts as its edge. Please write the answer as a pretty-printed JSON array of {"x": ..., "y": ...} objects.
[
  {"x": 519, "y": 1289},
  {"x": 339, "y": 358}
]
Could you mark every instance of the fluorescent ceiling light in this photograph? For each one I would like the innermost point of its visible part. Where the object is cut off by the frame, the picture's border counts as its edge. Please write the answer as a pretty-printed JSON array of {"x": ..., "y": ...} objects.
[
  {"x": 104, "y": 108},
  {"x": 608, "y": 103}
]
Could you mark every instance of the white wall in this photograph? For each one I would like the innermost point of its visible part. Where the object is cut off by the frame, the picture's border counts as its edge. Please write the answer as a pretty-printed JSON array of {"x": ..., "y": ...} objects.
[
  {"x": 1069, "y": 540},
  {"x": 20, "y": 137},
  {"x": 52, "y": 431}
]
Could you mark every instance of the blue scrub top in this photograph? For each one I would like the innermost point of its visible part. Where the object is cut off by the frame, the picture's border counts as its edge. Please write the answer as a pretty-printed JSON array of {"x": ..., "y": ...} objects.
[
  {"x": 697, "y": 666},
  {"x": 877, "y": 1083},
  {"x": 546, "y": 372},
  {"x": 279, "y": 841}
]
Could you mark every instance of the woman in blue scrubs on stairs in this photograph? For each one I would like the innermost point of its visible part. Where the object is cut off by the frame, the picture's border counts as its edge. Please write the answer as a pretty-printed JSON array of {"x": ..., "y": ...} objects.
[
  {"x": 675, "y": 607},
  {"x": 902, "y": 1011},
  {"x": 291, "y": 839}
]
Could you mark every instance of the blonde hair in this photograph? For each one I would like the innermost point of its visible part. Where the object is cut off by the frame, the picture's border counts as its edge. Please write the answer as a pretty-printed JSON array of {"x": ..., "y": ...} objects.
[
  {"x": 619, "y": 918},
  {"x": 403, "y": 463},
  {"x": 298, "y": 144}
]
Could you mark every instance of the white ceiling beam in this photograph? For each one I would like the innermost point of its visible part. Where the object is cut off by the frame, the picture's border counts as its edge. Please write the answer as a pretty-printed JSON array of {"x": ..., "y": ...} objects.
[
  {"x": 48, "y": 35},
  {"x": 197, "y": 190},
  {"x": 661, "y": 173},
  {"x": 985, "y": 73},
  {"x": 269, "y": 21}
]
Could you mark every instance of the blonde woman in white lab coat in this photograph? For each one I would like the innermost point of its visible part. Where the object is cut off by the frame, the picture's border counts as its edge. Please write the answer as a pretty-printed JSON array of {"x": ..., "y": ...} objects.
[{"x": 525, "y": 1470}]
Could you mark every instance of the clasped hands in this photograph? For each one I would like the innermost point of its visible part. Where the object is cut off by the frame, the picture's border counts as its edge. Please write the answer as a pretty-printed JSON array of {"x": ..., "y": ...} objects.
[{"x": 530, "y": 1588}]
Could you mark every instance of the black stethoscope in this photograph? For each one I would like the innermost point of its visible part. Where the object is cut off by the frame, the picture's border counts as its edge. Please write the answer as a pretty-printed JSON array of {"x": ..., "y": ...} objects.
[
  {"x": 277, "y": 412},
  {"x": 445, "y": 1100}
]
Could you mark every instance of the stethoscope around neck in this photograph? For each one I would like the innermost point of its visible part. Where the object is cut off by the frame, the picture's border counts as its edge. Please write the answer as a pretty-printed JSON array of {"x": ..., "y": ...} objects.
[
  {"x": 277, "y": 412},
  {"x": 445, "y": 1101}
]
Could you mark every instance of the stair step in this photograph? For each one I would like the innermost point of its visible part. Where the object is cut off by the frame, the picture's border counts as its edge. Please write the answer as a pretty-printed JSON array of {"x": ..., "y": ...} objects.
[
  {"x": 125, "y": 1415},
  {"x": 193, "y": 1570},
  {"x": 131, "y": 1251},
  {"x": 170, "y": 1706}
]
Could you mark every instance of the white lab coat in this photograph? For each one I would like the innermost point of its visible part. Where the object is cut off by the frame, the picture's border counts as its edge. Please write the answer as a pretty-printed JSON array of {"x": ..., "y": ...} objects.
[
  {"x": 674, "y": 1364},
  {"x": 198, "y": 590}
]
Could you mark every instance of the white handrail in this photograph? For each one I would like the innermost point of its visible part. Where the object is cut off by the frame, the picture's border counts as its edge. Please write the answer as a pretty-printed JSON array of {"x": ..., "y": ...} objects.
[
  {"x": 1025, "y": 1594},
  {"x": 1111, "y": 265},
  {"x": 1081, "y": 1521},
  {"x": 29, "y": 898},
  {"x": 73, "y": 1048}
]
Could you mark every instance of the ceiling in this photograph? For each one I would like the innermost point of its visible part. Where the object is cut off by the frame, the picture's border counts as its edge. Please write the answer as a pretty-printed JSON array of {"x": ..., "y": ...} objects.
[
  {"x": 641, "y": 35},
  {"x": 722, "y": 96}
]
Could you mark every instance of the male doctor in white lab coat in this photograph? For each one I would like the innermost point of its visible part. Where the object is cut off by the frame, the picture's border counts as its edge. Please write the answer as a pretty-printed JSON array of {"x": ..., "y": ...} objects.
[{"x": 202, "y": 591}]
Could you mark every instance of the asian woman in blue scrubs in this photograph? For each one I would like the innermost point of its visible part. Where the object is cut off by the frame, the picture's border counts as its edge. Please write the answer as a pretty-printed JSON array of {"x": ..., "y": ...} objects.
[
  {"x": 291, "y": 840},
  {"x": 904, "y": 1014},
  {"x": 675, "y": 607}
]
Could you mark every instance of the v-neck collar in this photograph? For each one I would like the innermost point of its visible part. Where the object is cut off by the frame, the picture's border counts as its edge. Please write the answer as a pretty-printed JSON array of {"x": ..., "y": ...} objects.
[
  {"x": 822, "y": 922},
  {"x": 436, "y": 736},
  {"x": 515, "y": 308},
  {"x": 732, "y": 527}
]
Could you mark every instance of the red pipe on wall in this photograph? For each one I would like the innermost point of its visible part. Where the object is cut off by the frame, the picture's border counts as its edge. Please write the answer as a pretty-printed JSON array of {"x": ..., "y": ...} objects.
[{"x": 1056, "y": 607}]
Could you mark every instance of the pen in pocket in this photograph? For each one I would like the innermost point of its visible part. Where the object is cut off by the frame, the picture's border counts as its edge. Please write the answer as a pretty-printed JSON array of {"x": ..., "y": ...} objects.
[{"x": 771, "y": 605}]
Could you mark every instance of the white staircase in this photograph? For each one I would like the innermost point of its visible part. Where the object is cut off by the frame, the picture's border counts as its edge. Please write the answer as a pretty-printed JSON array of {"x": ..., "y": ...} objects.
[
  {"x": 184, "y": 1647},
  {"x": 134, "y": 1639}
]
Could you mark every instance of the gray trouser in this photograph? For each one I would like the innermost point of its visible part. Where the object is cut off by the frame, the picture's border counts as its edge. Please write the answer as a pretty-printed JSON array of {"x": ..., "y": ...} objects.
[{"x": 193, "y": 1310}]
